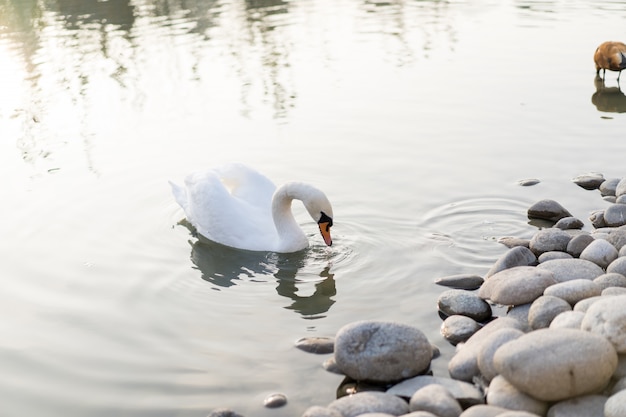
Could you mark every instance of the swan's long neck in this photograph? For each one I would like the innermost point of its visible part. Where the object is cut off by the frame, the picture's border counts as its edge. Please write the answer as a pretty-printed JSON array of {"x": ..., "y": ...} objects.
[{"x": 289, "y": 232}]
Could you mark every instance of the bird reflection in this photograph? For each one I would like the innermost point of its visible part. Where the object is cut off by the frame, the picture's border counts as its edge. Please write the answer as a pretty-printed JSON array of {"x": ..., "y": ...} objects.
[
  {"x": 224, "y": 266},
  {"x": 608, "y": 99}
]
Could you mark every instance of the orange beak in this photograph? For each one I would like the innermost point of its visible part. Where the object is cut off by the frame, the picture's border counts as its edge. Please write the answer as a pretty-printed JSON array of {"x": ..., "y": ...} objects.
[{"x": 325, "y": 231}]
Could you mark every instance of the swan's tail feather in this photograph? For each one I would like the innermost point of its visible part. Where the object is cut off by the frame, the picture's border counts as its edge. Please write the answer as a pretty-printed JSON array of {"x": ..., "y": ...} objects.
[{"x": 180, "y": 195}]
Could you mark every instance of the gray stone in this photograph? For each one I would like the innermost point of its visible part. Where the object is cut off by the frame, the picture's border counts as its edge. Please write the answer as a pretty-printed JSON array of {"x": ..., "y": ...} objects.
[
  {"x": 463, "y": 366},
  {"x": 621, "y": 199},
  {"x": 575, "y": 290},
  {"x": 597, "y": 219},
  {"x": 569, "y": 269},
  {"x": 548, "y": 210},
  {"x": 456, "y": 329},
  {"x": 583, "y": 305},
  {"x": 567, "y": 223},
  {"x": 483, "y": 411},
  {"x": 461, "y": 281},
  {"x": 465, "y": 303},
  {"x": 275, "y": 400},
  {"x": 568, "y": 320},
  {"x": 518, "y": 285},
  {"x": 622, "y": 251},
  {"x": 317, "y": 411},
  {"x": 511, "y": 241},
  {"x": 578, "y": 244},
  {"x": 316, "y": 344},
  {"x": 503, "y": 394},
  {"x": 607, "y": 188},
  {"x": 620, "y": 372},
  {"x": 381, "y": 351},
  {"x": 544, "y": 309},
  {"x": 223, "y": 412},
  {"x": 620, "y": 188},
  {"x": 549, "y": 240},
  {"x": 465, "y": 393},
  {"x": 611, "y": 279},
  {"x": 420, "y": 414},
  {"x": 589, "y": 181},
  {"x": 518, "y": 414},
  {"x": 527, "y": 182},
  {"x": 520, "y": 313},
  {"x": 584, "y": 406},
  {"x": 617, "y": 266},
  {"x": 489, "y": 347},
  {"x": 607, "y": 317},
  {"x": 436, "y": 399},
  {"x": 553, "y": 254},
  {"x": 600, "y": 252},
  {"x": 557, "y": 364},
  {"x": 613, "y": 291},
  {"x": 369, "y": 402},
  {"x": 615, "y": 406},
  {"x": 615, "y": 215},
  {"x": 517, "y": 256},
  {"x": 617, "y": 237}
]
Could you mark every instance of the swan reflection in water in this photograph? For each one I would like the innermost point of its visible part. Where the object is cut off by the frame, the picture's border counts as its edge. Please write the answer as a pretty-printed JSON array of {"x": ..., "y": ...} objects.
[
  {"x": 223, "y": 266},
  {"x": 608, "y": 99}
]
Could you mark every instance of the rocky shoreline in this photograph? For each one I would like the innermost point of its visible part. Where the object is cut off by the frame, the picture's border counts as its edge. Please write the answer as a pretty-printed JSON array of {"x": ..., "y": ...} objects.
[{"x": 558, "y": 349}]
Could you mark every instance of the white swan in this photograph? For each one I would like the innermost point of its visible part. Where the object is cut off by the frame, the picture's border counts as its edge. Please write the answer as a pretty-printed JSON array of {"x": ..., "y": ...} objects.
[{"x": 236, "y": 206}]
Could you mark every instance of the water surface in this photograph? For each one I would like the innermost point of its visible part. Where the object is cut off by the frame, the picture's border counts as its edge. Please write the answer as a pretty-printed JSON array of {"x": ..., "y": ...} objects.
[{"x": 417, "y": 118}]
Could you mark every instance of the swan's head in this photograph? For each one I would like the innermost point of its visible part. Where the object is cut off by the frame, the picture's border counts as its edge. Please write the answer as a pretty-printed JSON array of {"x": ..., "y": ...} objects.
[{"x": 321, "y": 211}]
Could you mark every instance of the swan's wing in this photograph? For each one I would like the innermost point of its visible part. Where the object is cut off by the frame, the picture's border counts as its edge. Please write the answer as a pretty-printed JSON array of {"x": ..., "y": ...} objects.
[{"x": 247, "y": 184}]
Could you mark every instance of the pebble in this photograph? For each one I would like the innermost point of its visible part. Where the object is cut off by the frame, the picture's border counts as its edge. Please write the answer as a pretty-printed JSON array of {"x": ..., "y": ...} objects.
[
  {"x": 569, "y": 269},
  {"x": 607, "y": 317},
  {"x": 578, "y": 243},
  {"x": 551, "y": 255},
  {"x": 583, "y": 305},
  {"x": 461, "y": 281},
  {"x": 549, "y": 240},
  {"x": 517, "y": 256},
  {"x": 436, "y": 399},
  {"x": 319, "y": 345},
  {"x": 489, "y": 347},
  {"x": 520, "y": 313},
  {"x": 275, "y": 400},
  {"x": 420, "y": 414},
  {"x": 611, "y": 279},
  {"x": 503, "y": 394},
  {"x": 557, "y": 364},
  {"x": 617, "y": 266},
  {"x": 597, "y": 219},
  {"x": 484, "y": 411},
  {"x": 369, "y": 402},
  {"x": 381, "y": 351},
  {"x": 620, "y": 188},
  {"x": 224, "y": 412},
  {"x": 568, "y": 320},
  {"x": 511, "y": 241},
  {"x": 465, "y": 394},
  {"x": 607, "y": 188},
  {"x": 617, "y": 237},
  {"x": 465, "y": 303},
  {"x": 615, "y": 406},
  {"x": 528, "y": 182},
  {"x": 318, "y": 411},
  {"x": 585, "y": 406},
  {"x": 548, "y": 210},
  {"x": 518, "y": 285},
  {"x": 544, "y": 309},
  {"x": 567, "y": 223},
  {"x": 456, "y": 329},
  {"x": 589, "y": 181},
  {"x": 575, "y": 290},
  {"x": 614, "y": 291},
  {"x": 600, "y": 252},
  {"x": 615, "y": 215}
]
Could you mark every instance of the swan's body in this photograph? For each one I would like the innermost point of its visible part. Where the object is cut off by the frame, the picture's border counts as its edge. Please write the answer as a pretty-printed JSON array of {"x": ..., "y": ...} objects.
[
  {"x": 610, "y": 56},
  {"x": 236, "y": 206}
]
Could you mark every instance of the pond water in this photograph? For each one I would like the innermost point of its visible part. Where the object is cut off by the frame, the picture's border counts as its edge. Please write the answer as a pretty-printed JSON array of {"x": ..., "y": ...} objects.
[{"x": 417, "y": 118}]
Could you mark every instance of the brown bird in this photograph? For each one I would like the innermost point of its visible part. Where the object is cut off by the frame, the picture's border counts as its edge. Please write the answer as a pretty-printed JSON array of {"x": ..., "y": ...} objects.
[{"x": 610, "y": 56}]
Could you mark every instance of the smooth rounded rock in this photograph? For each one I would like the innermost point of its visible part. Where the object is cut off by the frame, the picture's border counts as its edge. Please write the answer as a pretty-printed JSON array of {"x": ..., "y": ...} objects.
[
  {"x": 568, "y": 223},
  {"x": 597, "y": 219},
  {"x": 456, "y": 329},
  {"x": 420, "y": 414},
  {"x": 608, "y": 187},
  {"x": 381, "y": 351},
  {"x": 517, "y": 256},
  {"x": 465, "y": 303},
  {"x": 275, "y": 400},
  {"x": 557, "y": 364},
  {"x": 503, "y": 394},
  {"x": 569, "y": 269},
  {"x": 589, "y": 181},
  {"x": 465, "y": 393},
  {"x": 615, "y": 215},
  {"x": 223, "y": 412},
  {"x": 607, "y": 317},
  {"x": 316, "y": 344},
  {"x": 518, "y": 285},
  {"x": 548, "y": 210},
  {"x": 489, "y": 347},
  {"x": 600, "y": 252},
  {"x": 436, "y": 399},
  {"x": 512, "y": 241},
  {"x": 578, "y": 243},
  {"x": 544, "y": 309},
  {"x": 318, "y": 411},
  {"x": 370, "y": 402},
  {"x": 611, "y": 279},
  {"x": 620, "y": 188},
  {"x": 549, "y": 240},
  {"x": 584, "y": 406},
  {"x": 615, "y": 406},
  {"x": 575, "y": 290},
  {"x": 520, "y": 313},
  {"x": 617, "y": 266},
  {"x": 481, "y": 410},
  {"x": 568, "y": 320},
  {"x": 553, "y": 254},
  {"x": 461, "y": 281},
  {"x": 613, "y": 291},
  {"x": 583, "y": 305},
  {"x": 617, "y": 237}
]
